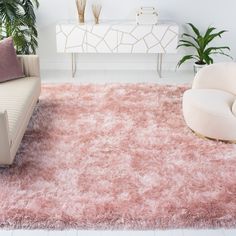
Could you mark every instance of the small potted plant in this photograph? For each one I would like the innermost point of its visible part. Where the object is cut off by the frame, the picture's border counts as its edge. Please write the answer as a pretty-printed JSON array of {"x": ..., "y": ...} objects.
[{"x": 203, "y": 52}]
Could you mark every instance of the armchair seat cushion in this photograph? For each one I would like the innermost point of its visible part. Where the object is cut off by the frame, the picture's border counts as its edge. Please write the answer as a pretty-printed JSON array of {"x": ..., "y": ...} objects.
[{"x": 209, "y": 112}]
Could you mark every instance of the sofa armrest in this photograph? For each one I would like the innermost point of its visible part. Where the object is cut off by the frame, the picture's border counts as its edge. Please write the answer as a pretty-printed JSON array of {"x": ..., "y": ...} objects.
[
  {"x": 5, "y": 156},
  {"x": 30, "y": 65}
]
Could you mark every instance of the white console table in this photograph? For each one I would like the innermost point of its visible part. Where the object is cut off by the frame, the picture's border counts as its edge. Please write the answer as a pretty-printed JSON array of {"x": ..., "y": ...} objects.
[{"x": 117, "y": 37}]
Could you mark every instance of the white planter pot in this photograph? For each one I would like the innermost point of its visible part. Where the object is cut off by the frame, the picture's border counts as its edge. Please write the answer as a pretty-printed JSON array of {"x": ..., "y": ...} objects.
[{"x": 198, "y": 67}]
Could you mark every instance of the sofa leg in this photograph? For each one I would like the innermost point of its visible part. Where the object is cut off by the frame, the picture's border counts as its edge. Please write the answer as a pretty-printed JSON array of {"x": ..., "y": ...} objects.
[{"x": 3, "y": 167}]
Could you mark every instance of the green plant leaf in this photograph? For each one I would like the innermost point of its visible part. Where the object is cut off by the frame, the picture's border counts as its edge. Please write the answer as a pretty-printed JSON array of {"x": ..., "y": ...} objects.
[
  {"x": 190, "y": 36},
  {"x": 224, "y": 54},
  {"x": 207, "y": 59},
  {"x": 209, "y": 50},
  {"x": 17, "y": 19},
  {"x": 213, "y": 36},
  {"x": 185, "y": 58},
  {"x": 182, "y": 41},
  {"x": 209, "y": 31},
  {"x": 184, "y": 45},
  {"x": 195, "y": 30}
]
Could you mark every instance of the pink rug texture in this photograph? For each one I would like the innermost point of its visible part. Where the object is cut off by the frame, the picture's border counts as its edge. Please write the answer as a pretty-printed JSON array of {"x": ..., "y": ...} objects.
[{"x": 117, "y": 157}]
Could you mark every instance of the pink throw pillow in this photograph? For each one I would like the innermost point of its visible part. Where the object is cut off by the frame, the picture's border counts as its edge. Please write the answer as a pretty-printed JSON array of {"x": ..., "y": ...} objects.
[{"x": 10, "y": 67}]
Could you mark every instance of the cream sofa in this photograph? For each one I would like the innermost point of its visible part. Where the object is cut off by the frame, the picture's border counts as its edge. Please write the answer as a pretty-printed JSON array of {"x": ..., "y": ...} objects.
[
  {"x": 17, "y": 101},
  {"x": 209, "y": 108}
]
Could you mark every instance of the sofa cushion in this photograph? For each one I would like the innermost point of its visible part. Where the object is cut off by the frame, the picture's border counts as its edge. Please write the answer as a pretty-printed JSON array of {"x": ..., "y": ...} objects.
[
  {"x": 10, "y": 67},
  {"x": 16, "y": 97}
]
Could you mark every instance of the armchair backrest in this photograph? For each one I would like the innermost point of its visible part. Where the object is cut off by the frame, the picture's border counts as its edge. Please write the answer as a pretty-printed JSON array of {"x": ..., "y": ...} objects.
[{"x": 220, "y": 76}]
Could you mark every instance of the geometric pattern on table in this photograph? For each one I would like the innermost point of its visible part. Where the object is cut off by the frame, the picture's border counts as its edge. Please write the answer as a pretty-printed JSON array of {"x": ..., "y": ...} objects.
[{"x": 117, "y": 37}]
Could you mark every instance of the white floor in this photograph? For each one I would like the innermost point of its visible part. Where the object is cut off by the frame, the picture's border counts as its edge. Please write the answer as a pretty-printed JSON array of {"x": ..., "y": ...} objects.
[
  {"x": 101, "y": 77},
  {"x": 220, "y": 232}
]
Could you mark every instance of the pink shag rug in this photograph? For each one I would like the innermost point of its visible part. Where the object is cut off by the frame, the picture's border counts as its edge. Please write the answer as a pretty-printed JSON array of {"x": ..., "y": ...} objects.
[{"x": 117, "y": 157}]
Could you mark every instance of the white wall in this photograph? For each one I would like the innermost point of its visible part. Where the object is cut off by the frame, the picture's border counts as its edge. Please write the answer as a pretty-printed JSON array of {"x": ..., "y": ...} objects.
[{"x": 219, "y": 13}]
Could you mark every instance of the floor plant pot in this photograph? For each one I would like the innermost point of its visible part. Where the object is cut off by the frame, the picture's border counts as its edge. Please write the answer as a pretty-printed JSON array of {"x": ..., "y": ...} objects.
[{"x": 197, "y": 67}]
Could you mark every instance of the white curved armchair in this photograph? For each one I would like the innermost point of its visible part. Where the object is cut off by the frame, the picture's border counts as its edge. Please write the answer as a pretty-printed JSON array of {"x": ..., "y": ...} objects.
[{"x": 209, "y": 108}]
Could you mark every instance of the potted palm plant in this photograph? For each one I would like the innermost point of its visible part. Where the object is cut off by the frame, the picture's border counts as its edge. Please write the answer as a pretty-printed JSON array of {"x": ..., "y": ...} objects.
[
  {"x": 203, "y": 51},
  {"x": 17, "y": 19}
]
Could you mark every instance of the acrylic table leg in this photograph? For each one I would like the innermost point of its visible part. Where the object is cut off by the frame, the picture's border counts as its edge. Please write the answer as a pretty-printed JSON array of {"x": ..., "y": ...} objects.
[
  {"x": 159, "y": 64},
  {"x": 73, "y": 64}
]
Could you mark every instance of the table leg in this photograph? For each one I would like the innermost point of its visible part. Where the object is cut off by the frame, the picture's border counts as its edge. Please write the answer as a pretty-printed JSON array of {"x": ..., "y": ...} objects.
[
  {"x": 73, "y": 64},
  {"x": 159, "y": 64}
]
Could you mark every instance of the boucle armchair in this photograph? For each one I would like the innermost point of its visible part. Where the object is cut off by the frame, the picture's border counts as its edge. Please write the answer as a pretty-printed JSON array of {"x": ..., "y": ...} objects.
[
  {"x": 17, "y": 101},
  {"x": 209, "y": 108}
]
